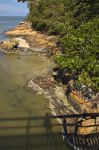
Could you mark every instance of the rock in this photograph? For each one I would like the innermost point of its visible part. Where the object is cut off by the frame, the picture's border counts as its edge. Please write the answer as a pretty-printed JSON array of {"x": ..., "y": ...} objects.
[
  {"x": 38, "y": 42},
  {"x": 52, "y": 79},
  {"x": 9, "y": 44},
  {"x": 54, "y": 73},
  {"x": 22, "y": 22},
  {"x": 87, "y": 130},
  {"x": 35, "y": 87}
]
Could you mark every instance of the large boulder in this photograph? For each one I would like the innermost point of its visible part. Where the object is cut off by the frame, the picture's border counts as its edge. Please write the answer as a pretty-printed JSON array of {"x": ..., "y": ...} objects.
[{"x": 10, "y": 44}]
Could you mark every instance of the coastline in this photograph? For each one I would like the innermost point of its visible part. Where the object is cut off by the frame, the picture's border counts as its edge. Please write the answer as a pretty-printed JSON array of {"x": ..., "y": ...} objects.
[
  {"x": 43, "y": 45},
  {"x": 37, "y": 42}
]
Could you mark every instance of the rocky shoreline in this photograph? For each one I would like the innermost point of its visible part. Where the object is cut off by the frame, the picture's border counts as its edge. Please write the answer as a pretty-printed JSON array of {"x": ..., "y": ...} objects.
[
  {"x": 38, "y": 43},
  {"x": 47, "y": 86},
  {"x": 25, "y": 41}
]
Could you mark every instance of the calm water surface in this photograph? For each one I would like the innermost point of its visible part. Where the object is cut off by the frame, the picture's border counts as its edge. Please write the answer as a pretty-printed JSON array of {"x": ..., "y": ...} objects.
[
  {"x": 16, "y": 100},
  {"x": 6, "y": 23},
  {"x": 15, "y": 71}
]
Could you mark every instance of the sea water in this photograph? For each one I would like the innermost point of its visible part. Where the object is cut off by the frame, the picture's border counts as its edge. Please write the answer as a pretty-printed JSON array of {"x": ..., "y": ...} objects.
[{"x": 16, "y": 100}]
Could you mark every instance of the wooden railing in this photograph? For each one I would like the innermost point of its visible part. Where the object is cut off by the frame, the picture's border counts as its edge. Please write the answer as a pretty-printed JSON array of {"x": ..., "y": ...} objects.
[{"x": 26, "y": 127}]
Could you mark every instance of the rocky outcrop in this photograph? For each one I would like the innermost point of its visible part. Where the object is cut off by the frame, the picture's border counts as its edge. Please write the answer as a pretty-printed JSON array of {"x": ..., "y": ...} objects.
[
  {"x": 35, "y": 87},
  {"x": 38, "y": 42},
  {"x": 16, "y": 45},
  {"x": 60, "y": 105},
  {"x": 9, "y": 44},
  {"x": 91, "y": 127},
  {"x": 47, "y": 86}
]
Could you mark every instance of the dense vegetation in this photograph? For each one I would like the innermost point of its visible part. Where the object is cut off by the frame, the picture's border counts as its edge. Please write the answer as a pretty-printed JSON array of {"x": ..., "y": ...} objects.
[{"x": 76, "y": 23}]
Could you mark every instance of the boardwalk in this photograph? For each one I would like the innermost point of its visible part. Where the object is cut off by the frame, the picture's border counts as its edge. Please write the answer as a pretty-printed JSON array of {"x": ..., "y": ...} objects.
[
  {"x": 33, "y": 142},
  {"x": 89, "y": 142}
]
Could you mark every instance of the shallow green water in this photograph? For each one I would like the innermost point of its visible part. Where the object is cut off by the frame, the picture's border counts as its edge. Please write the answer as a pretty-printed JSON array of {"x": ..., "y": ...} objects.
[
  {"x": 16, "y": 100},
  {"x": 15, "y": 71}
]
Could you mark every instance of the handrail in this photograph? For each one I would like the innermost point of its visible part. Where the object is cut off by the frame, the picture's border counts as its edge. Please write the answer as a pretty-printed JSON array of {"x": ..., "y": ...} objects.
[{"x": 92, "y": 115}]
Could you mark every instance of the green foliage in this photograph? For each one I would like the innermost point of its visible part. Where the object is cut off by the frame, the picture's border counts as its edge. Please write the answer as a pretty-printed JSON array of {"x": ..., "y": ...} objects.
[
  {"x": 81, "y": 54},
  {"x": 77, "y": 24}
]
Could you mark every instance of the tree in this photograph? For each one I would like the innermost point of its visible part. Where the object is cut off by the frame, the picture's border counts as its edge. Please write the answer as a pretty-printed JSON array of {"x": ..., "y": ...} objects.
[
  {"x": 76, "y": 22},
  {"x": 81, "y": 54}
]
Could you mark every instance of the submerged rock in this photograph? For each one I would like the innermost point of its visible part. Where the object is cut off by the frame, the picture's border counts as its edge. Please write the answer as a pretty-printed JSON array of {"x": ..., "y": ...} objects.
[{"x": 35, "y": 87}]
